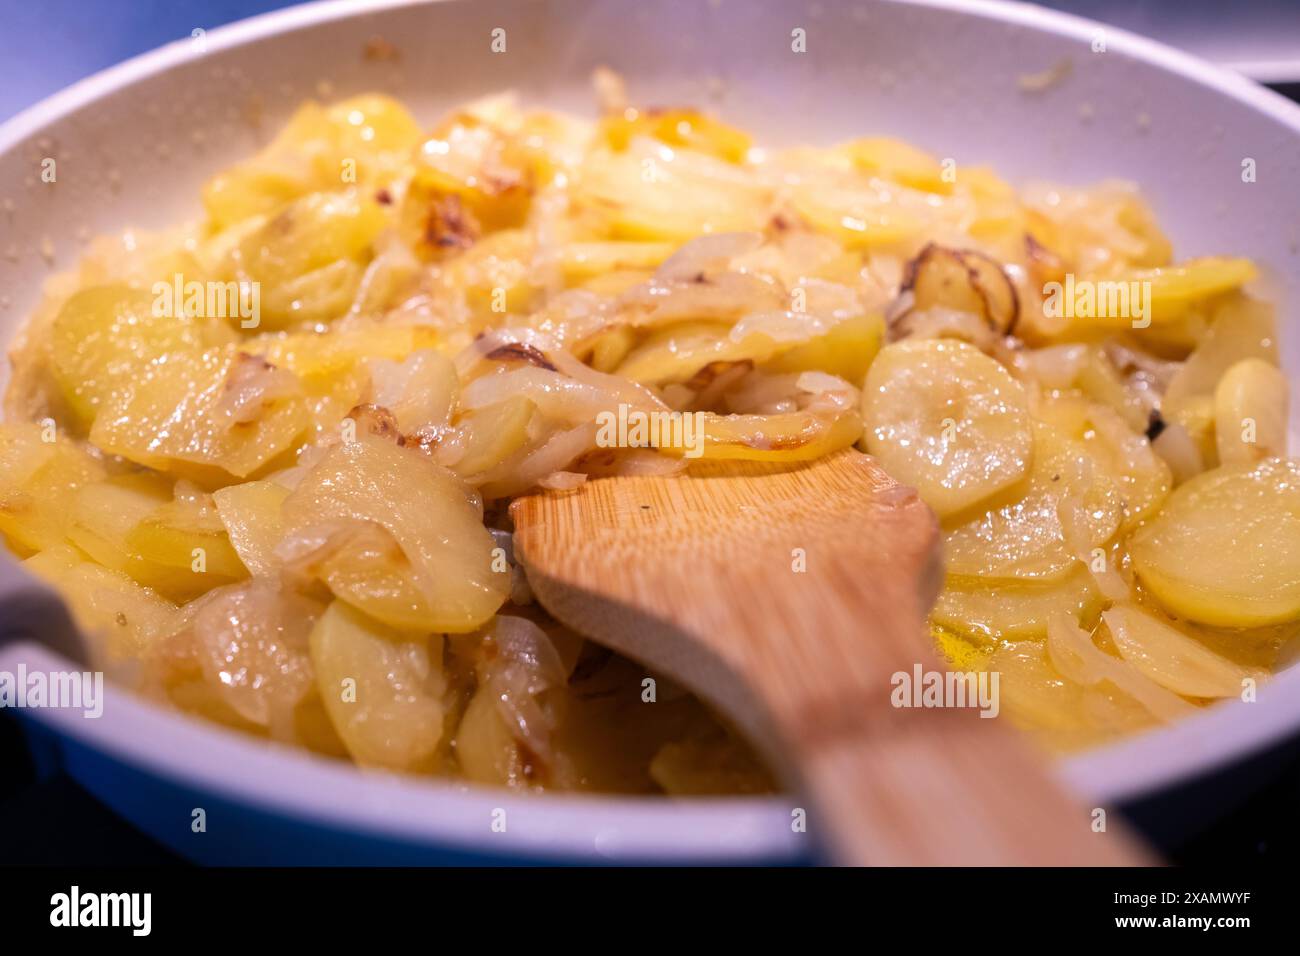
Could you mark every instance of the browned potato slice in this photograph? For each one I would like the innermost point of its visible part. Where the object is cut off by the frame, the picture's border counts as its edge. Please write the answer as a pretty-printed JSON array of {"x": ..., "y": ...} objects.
[{"x": 966, "y": 281}]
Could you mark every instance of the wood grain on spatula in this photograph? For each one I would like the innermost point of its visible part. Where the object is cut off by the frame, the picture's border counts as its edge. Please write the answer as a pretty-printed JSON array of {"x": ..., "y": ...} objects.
[{"x": 695, "y": 576}]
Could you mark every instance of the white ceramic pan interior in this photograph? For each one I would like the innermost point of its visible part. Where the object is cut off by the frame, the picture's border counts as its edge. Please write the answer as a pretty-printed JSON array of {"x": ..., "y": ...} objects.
[{"x": 134, "y": 144}]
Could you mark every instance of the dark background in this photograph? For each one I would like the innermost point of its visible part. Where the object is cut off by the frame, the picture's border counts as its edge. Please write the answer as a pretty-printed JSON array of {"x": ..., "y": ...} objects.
[{"x": 47, "y": 44}]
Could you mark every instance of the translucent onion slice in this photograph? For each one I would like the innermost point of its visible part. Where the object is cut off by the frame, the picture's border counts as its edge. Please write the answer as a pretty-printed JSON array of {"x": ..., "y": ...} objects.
[{"x": 1171, "y": 658}]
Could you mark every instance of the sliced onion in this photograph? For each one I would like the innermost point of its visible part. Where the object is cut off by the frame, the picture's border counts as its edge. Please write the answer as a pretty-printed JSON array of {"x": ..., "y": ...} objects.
[
  {"x": 1075, "y": 655},
  {"x": 251, "y": 384},
  {"x": 522, "y": 471},
  {"x": 526, "y": 666},
  {"x": 251, "y": 643},
  {"x": 1175, "y": 445},
  {"x": 562, "y": 480},
  {"x": 707, "y": 255}
]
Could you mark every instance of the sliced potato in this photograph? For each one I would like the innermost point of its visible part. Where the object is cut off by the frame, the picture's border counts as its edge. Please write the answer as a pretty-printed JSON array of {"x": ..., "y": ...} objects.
[
  {"x": 327, "y": 355},
  {"x": 1013, "y": 612},
  {"x": 1024, "y": 538},
  {"x": 675, "y": 353},
  {"x": 472, "y": 177},
  {"x": 486, "y": 750},
  {"x": 1174, "y": 289},
  {"x": 581, "y": 261},
  {"x": 790, "y": 436},
  {"x": 689, "y": 129},
  {"x": 491, "y": 434},
  {"x": 382, "y": 689},
  {"x": 446, "y": 553},
  {"x": 104, "y": 335},
  {"x": 38, "y": 482},
  {"x": 176, "y": 415},
  {"x": 1242, "y": 328},
  {"x": 363, "y": 139},
  {"x": 1250, "y": 412},
  {"x": 130, "y": 523},
  {"x": 307, "y": 258},
  {"x": 965, "y": 281},
  {"x": 250, "y": 640},
  {"x": 651, "y": 193},
  {"x": 1225, "y": 549},
  {"x": 1065, "y": 715},
  {"x": 847, "y": 350},
  {"x": 1172, "y": 658},
  {"x": 899, "y": 161},
  {"x": 185, "y": 535},
  {"x": 128, "y": 617},
  {"x": 947, "y": 419},
  {"x": 859, "y": 216},
  {"x": 494, "y": 276},
  {"x": 250, "y": 513}
]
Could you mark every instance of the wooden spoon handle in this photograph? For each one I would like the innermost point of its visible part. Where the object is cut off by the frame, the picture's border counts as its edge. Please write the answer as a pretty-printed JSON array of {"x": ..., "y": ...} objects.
[
  {"x": 944, "y": 788},
  {"x": 906, "y": 785}
]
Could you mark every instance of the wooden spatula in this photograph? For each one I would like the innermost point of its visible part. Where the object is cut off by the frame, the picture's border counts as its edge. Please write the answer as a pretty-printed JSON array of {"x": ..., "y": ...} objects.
[{"x": 788, "y": 597}]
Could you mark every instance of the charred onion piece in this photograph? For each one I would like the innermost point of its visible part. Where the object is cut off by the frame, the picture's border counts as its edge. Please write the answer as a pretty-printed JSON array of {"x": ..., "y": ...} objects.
[
  {"x": 521, "y": 352},
  {"x": 964, "y": 280},
  {"x": 1044, "y": 265}
]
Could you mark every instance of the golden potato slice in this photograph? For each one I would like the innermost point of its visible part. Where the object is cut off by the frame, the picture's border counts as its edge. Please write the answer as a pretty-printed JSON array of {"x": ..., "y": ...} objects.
[
  {"x": 789, "y": 436},
  {"x": 103, "y": 336},
  {"x": 251, "y": 515},
  {"x": 1023, "y": 539},
  {"x": 899, "y": 161},
  {"x": 689, "y": 129},
  {"x": 1142, "y": 476},
  {"x": 675, "y": 353},
  {"x": 364, "y": 139},
  {"x": 1242, "y": 328},
  {"x": 325, "y": 355},
  {"x": 1250, "y": 412},
  {"x": 581, "y": 261},
  {"x": 447, "y": 556},
  {"x": 40, "y": 472},
  {"x": 474, "y": 172},
  {"x": 1013, "y": 612},
  {"x": 130, "y": 523},
  {"x": 495, "y": 276},
  {"x": 846, "y": 350},
  {"x": 197, "y": 414},
  {"x": 307, "y": 258},
  {"x": 126, "y": 617},
  {"x": 655, "y": 194},
  {"x": 382, "y": 689},
  {"x": 1062, "y": 714},
  {"x": 184, "y": 535},
  {"x": 250, "y": 641},
  {"x": 945, "y": 418},
  {"x": 491, "y": 434},
  {"x": 486, "y": 750},
  {"x": 1225, "y": 549},
  {"x": 859, "y": 216},
  {"x": 1174, "y": 289}
]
